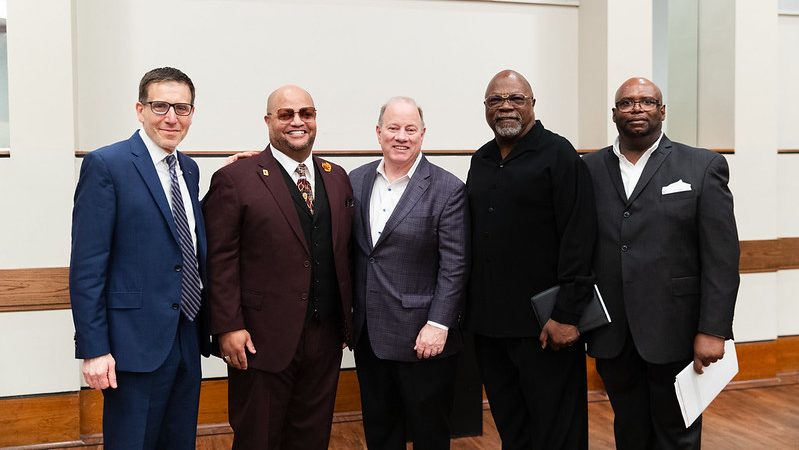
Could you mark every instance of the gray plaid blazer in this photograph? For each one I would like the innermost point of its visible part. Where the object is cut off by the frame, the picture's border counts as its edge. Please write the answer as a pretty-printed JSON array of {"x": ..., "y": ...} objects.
[{"x": 417, "y": 270}]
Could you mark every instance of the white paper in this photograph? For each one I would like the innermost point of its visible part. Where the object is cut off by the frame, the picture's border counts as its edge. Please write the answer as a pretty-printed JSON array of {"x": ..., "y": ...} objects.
[{"x": 696, "y": 391}]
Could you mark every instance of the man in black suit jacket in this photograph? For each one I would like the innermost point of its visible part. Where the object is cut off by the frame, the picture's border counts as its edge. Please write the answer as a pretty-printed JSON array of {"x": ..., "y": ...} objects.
[{"x": 667, "y": 265}]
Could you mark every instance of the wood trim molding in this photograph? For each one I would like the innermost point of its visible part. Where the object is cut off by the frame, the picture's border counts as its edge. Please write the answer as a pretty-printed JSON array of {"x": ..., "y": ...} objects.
[
  {"x": 4, "y": 153},
  {"x": 350, "y": 153},
  {"x": 75, "y": 418},
  {"x": 44, "y": 288},
  {"x": 788, "y": 151},
  {"x": 38, "y": 289}
]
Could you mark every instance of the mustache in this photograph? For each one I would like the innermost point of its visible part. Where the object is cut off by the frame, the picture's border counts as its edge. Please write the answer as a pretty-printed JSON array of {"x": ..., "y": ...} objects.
[{"x": 514, "y": 116}]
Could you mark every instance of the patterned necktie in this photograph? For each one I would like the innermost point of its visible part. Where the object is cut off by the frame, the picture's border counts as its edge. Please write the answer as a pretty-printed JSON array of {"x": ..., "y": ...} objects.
[
  {"x": 190, "y": 282},
  {"x": 305, "y": 186}
]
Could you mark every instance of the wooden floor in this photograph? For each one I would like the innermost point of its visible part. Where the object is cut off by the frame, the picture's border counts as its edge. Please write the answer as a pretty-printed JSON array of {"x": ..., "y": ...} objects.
[{"x": 740, "y": 419}]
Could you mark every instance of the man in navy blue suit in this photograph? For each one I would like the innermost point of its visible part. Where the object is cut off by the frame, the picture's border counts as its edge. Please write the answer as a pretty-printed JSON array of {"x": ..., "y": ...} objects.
[{"x": 136, "y": 271}]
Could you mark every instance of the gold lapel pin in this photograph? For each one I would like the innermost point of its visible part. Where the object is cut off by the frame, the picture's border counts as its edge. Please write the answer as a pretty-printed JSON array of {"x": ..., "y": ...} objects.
[
  {"x": 326, "y": 166},
  {"x": 266, "y": 173}
]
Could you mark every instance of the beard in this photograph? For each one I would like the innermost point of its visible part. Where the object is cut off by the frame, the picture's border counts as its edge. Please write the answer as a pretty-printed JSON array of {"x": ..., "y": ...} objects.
[
  {"x": 508, "y": 130},
  {"x": 285, "y": 146}
]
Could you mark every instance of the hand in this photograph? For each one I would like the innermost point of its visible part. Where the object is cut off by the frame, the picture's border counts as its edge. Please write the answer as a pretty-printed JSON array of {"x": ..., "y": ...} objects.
[
  {"x": 430, "y": 341},
  {"x": 707, "y": 350},
  {"x": 100, "y": 372},
  {"x": 558, "y": 335},
  {"x": 232, "y": 345},
  {"x": 237, "y": 156}
]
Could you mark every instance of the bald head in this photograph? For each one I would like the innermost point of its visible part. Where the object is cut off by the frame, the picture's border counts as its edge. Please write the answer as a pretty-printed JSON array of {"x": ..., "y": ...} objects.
[
  {"x": 510, "y": 75},
  {"x": 636, "y": 84},
  {"x": 293, "y": 130},
  {"x": 292, "y": 91}
]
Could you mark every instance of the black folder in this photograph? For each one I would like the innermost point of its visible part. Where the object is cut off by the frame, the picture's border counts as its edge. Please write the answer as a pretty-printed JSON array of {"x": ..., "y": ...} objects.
[{"x": 594, "y": 315}]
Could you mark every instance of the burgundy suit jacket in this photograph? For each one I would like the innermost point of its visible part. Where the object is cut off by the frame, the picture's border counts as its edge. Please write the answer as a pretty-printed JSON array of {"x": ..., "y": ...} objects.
[{"x": 259, "y": 265}]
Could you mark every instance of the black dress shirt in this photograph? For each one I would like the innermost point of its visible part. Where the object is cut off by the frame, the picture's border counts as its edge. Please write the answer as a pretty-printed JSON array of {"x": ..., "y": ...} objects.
[{"x": 533, "y": 226}]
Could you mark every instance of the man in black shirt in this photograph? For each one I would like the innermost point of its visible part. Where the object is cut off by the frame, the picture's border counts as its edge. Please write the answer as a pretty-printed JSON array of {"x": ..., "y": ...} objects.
[{"x": 533, "y": 227}]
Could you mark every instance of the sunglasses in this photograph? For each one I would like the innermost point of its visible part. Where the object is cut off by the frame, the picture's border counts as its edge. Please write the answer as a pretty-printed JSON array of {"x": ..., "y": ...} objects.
[{"x": 306, "y": 114}]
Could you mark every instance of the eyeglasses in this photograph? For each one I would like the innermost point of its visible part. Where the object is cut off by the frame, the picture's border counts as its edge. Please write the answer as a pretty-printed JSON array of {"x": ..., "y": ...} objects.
[
  {"x": 307, "y": 114},
  {"x": 161, "y": 108},
  {"x": 515, "y": 100},
  {"x": 646, "y": 104}
]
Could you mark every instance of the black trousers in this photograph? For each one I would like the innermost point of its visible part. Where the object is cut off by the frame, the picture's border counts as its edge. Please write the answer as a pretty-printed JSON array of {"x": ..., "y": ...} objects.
[
  {"x": 645, "y": 404},
  {"x": 539, "y": 398},
  {"x": 396, "y": 393}
]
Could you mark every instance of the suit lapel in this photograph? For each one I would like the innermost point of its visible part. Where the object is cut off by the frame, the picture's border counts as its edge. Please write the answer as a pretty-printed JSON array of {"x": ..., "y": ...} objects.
[
  {"x": 269, "y": 173},
  {"x": 652, "y": 166},
  {"x": 612, "y": 164},
  {"x": 335, "y": 196},
  {"x": 144, "y": 165},
  {"x": 367, "y": 186},
  {"x": 417, "y": 186}
]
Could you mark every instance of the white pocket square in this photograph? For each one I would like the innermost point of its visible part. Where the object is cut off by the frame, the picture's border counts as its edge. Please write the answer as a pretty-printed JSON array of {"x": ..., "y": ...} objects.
[{"x": 677, "y": 186}]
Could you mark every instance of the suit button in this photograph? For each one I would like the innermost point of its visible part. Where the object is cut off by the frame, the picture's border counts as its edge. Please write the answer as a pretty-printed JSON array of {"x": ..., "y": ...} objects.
[
  {"x": 626, "y": 214},
  {"x": 624, "y": 248},
  {"x": 372, "y": 260},
  {"x": 501, "y": 166},
  {"x": 178, "y": 268},
  {"x": 175, "y": 306},
  {"x": 307, "y": 263},
  {"x": 491, "y": 209}
]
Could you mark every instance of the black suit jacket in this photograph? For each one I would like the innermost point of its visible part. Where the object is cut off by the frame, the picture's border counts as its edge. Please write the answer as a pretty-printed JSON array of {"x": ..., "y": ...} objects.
[{"x": 666, "y": 259}]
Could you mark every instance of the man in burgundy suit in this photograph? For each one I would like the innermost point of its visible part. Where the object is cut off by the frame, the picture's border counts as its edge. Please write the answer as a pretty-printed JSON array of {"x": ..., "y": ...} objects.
[{"x": 278, "y": 227}]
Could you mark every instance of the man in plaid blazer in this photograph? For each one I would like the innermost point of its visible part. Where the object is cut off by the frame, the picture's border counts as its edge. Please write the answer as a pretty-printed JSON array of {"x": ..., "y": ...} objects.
[{"x": 410, "y": 257}]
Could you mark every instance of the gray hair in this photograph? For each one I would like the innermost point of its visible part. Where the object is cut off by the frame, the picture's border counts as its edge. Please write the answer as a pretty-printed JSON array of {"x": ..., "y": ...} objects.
[{"x": 397, "y": 99}]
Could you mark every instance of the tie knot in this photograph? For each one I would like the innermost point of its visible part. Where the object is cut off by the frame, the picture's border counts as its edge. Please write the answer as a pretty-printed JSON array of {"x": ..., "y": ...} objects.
[
  {"x": 302, "y": 170},
  {"x": 171, "y": 161}
]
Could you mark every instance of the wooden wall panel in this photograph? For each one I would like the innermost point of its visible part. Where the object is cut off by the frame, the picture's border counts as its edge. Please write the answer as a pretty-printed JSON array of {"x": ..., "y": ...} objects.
[
  {"x": 39, "y": 419},
  {"x": 77, "y": 417},
  {"x": 34, "y": 289}
]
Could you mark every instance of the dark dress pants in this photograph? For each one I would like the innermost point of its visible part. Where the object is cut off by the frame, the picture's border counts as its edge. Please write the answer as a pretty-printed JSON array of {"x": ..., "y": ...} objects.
[
  {"x": 293, "y": 408},
  {"x": 395, "y": 393},
  {"x": 538, "y": 398},
  {"x": 647, "y": 414},
  {"x": 157, "y": 410}
]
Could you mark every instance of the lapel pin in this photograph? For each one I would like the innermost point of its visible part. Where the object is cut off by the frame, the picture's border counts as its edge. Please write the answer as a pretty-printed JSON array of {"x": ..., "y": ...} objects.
[
  {"x": 266, "y": 173},
  {"x": 326, "y": 166}
]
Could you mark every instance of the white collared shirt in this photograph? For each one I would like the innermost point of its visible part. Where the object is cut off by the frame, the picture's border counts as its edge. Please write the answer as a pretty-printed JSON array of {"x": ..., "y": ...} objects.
[
  {"x": 385, "y": 196},
  {"x": 291, "y": 167},
  {"x": 159, "y": 155},
  {"x": 631, "y": 173}
]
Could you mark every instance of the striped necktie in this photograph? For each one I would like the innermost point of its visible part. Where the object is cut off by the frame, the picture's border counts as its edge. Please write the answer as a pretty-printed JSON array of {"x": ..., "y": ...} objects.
[
  {"x": 190, "y": 282},
  {"x": 304, "y": 185}
]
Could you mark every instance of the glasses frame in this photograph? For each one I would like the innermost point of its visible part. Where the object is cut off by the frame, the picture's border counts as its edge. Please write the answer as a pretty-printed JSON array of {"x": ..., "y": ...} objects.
[
  {"x": 506, "y": 98},
  {"x": 171, "y": 105},
  {"x": 294, "y": 114},
  {"x": 640, "y": 104}
]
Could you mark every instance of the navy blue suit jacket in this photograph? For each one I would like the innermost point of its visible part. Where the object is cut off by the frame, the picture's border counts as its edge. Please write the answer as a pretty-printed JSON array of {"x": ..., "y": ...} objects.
[{"x": 124, "y": 277}]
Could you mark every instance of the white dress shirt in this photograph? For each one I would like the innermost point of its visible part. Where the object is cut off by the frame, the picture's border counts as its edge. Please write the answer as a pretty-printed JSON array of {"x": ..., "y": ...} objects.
[
  {"x": 159, "y": 155},
  {"x": 631, "y": 173},
  {"x": 385, "y": 196},
  {"x": 291, "y": 167}
]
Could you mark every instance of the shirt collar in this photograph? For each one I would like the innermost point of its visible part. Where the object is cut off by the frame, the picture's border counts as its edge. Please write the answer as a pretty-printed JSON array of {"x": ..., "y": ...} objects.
[
  {"x": 381, "y": 168},
  {"x": 290, "y": 165},
  {"x": 156, "y": 152},
  {"x": 617, "y": 149}
]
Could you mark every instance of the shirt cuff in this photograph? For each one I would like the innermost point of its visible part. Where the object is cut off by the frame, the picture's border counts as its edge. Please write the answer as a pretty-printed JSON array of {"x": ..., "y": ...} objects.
[{"x": 438, "y": 325}]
